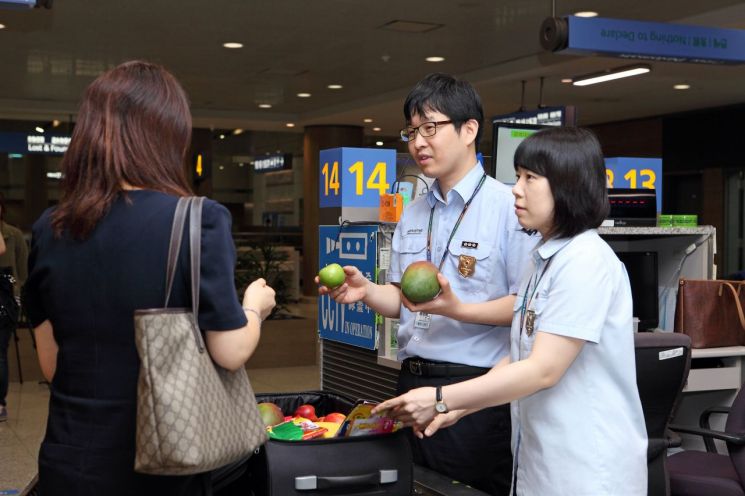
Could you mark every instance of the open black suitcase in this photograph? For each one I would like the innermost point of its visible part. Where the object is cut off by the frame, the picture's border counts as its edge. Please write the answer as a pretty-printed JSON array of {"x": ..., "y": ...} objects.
[{"x": 354, "y": 466}]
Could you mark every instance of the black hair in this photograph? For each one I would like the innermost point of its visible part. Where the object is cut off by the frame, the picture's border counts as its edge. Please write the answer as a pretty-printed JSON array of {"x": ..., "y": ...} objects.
[
  {"x": 572, "y": 160},
  {"x": 443, "y": 93}
]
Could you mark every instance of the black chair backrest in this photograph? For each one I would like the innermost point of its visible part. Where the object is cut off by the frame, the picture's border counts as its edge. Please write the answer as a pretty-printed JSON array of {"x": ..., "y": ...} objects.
[
  {"x": 663, "y": 360},
  {"x": 736, "y": 425}
]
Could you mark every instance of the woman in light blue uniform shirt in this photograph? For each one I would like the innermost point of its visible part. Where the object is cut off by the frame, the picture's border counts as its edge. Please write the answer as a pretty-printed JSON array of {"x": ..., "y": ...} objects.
[{"x": 578, "y": 425}]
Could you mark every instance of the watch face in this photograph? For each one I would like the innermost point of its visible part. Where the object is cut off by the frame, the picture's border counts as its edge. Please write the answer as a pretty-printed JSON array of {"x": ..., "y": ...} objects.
[{"x": 441, "y": 407}]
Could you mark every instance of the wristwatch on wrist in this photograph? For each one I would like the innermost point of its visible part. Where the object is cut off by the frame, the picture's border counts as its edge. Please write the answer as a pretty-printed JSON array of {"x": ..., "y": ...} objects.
[{"x": 440, "y": 405}]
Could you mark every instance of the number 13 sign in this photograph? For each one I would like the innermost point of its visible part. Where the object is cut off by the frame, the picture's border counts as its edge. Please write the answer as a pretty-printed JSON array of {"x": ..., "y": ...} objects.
[
  {"x": 355, "y": 177},
  {"x": 635, "y": 172}
]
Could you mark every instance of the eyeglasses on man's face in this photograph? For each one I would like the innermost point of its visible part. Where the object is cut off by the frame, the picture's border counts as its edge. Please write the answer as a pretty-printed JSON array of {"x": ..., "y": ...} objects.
[{"x": 425, "y": 130}]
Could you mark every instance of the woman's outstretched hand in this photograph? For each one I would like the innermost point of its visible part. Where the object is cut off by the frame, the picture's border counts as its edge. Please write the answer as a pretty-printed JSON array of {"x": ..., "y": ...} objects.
[
  {"x": 415, "y": 408},
  {"x": 259, "y": 297}
]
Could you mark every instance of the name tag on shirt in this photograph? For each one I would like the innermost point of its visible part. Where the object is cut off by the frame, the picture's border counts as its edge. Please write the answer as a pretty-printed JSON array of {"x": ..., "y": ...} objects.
[{"x": 422, "y": 320}]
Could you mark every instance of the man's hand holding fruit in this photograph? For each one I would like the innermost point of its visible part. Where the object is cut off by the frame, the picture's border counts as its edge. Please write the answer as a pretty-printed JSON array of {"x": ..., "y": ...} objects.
[{"x": 353, "y": 287}]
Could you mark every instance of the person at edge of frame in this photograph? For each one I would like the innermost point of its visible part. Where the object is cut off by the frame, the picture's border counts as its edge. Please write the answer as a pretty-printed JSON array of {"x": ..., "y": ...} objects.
[{"x": 465, "y": 225}]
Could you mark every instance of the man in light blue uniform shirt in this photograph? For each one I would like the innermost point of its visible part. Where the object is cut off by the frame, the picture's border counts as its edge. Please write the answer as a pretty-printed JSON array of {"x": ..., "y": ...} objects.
[
  {"x": 467, "y": 226},
  {"x": 490, "y": 234}
]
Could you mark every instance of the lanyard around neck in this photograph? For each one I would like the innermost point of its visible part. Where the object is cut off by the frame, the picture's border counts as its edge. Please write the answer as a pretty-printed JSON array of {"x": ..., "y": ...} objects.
[
  {"x": 527, "y": 301},
  {"x": 455, "y": 227}
]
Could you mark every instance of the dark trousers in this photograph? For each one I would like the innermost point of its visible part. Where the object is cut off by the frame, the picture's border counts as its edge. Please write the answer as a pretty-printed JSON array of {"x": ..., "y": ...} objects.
[
  {"x": 475, "y": 451},
  {"x": 5, "y": 334}
]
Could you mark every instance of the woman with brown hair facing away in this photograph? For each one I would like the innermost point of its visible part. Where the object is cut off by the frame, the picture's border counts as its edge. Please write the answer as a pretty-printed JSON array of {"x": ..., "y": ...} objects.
[{"x": 100, "y": 255}]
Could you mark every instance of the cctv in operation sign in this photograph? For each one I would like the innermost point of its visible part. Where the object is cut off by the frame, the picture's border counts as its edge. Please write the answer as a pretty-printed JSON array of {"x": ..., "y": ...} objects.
[{"x": 352, "y": 323}]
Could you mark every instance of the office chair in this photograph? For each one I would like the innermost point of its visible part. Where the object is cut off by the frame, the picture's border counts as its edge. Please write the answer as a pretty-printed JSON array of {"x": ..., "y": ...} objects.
[
  {"x": 663, "y": 360},
  {"x": 699, "y": 473}
]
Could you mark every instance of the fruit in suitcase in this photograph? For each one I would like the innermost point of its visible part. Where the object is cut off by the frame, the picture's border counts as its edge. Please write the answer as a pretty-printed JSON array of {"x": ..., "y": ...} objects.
[
  {"x": 335, "y": 417},
  {"x": 306, "y": 411},
  {"x": 271, "y": 414},
  {"x": 332, "y": 276},
  {"x": 419, "y": 282}
]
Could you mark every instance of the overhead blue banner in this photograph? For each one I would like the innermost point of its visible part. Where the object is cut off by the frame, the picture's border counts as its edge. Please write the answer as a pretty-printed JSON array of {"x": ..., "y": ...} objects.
[
  {"x": 354, "y": 245},
  {"x": 655, "y": 41}
]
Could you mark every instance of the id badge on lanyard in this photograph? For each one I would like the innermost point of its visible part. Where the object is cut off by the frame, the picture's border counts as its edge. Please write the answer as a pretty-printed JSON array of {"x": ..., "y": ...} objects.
[
  {"x": 422, "y": 320},
  {"x": 527, "y": 314}
]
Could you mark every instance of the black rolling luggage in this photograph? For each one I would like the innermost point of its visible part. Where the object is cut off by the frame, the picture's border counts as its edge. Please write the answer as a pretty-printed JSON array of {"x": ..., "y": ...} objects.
[{"x": 353, "y": 466}]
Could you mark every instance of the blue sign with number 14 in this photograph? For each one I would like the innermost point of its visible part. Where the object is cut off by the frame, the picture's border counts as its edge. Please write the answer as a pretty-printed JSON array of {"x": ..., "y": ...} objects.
[{"x": 355, "y": 177}]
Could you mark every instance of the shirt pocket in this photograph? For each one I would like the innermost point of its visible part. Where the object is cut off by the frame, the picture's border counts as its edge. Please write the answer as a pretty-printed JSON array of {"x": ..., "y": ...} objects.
[
  {"x": 472, "y": 266},
  {"x": 413, "y": 249},
  {"x": 527, "y": 339}
]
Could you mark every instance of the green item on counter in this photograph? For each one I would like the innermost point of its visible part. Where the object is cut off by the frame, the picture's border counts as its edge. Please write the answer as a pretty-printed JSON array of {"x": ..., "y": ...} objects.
[
  {"x": 685, "y": 220},
  {"x": 665, "y": 220}
]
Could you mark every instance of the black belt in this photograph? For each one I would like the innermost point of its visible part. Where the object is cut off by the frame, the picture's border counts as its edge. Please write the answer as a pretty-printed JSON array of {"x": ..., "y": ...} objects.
[{"x": 427, "y": 368}]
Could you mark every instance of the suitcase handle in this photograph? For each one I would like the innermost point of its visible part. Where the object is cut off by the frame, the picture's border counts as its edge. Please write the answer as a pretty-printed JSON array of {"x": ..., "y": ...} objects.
[{"x": 314, "y": 482}]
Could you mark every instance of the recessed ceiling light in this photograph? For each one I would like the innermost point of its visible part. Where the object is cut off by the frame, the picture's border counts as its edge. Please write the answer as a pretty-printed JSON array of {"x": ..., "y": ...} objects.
[
  {"x": 290, "y": 124},
  {"x": 237, "y": 131},
  {"x": 222, "y": 136},
  {"x": 222, "y": 167},
  {"x": 303, "y": 95},
  {"x": 367, "y": 119},
  {"x": 566, "y": 80},
  {"x": 39, "y": 129},
  {"x": 682, "y": 86},
  {"x": 2, "y": 26},
  {"x": 376, "y": 129},
  {"x": 435, "y": 59},
  {"x": 265, "y": 105},
  {"x": 233, "y": 44},
  {"x": 379, "y": 143},
  {"x": 56, "y": 123},
  {"x": 334, "y": 86},
  {"x": 586, "y": 13}
]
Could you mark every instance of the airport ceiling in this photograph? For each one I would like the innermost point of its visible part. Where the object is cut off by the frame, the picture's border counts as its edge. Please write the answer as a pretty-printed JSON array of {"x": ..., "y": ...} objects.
[{"x": 376, "y": 49}]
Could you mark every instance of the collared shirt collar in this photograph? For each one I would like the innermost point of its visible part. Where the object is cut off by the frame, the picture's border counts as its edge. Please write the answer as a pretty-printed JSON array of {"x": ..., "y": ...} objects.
[
  {"x": 464, "y": 188},
  {"x": 548, "y": 248}
]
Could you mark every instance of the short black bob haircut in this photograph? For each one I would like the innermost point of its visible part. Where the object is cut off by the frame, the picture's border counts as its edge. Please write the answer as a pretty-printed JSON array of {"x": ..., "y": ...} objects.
[
  {"x": 572, "y": 161},
  {"x": 443, "y": 93}
]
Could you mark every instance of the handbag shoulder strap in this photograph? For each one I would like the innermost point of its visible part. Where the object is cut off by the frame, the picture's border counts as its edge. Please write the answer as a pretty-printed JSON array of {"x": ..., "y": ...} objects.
[
  {"x": 195, "y": 249},
  {"x": 735, "y": 295},
  {"x": 174, "y": 247},
  {"x": 194, "y": 204}
]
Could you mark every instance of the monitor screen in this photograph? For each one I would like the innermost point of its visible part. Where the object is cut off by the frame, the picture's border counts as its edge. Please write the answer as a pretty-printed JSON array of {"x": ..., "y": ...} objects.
[
  {"x": 641, "y": 267},
  {"x": 507, "y": 136}
]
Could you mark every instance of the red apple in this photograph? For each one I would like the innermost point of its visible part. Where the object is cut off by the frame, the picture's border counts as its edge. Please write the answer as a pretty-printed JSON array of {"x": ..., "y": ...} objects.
[
  {"x": 306, "y": 411},
  {"x": 335, "y": 417}
]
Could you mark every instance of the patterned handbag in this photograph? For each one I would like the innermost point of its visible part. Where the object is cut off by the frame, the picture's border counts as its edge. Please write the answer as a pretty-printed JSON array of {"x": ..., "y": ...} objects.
[{"x": 192, "y": 415}]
